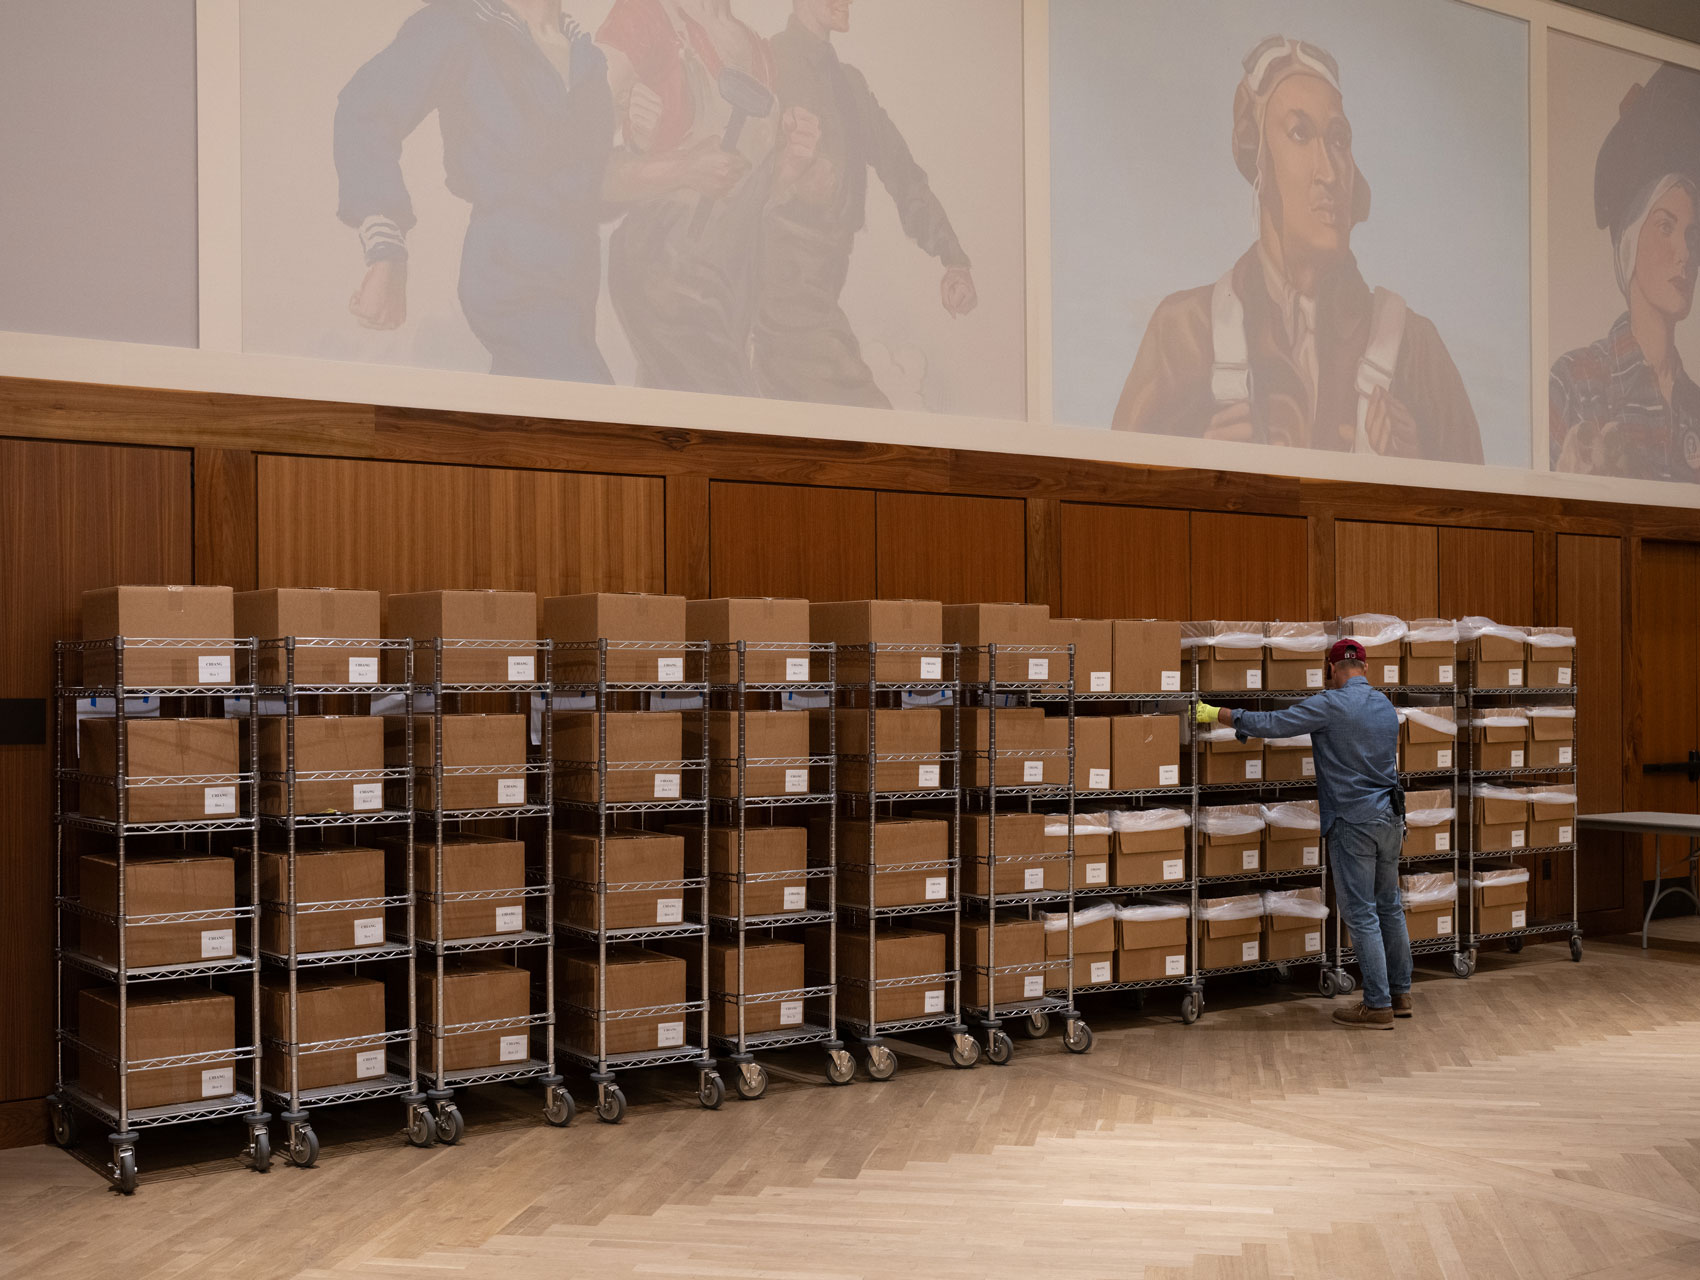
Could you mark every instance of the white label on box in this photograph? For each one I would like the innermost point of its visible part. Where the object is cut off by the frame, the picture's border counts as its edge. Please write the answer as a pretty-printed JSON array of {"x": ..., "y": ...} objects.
[
  {"x": 796, "y": 669},
  {"x": 1313, "y": 941},
  {"x": 1443, "y": 842},
  {"x": 1032, "y": 770},
  {"x": 1254, "y": 769},
  {"x": 1170, "y": 682},
  {"x": 1174, "y": 966},
  {"x": 1032, "y": 985},
  {"x": 218, "y": 1081},
  {"x": 1038, "y": 668},
  {"x": 1564, "y": 675},
  {"x": 1101, "y": 971},
  {"x": 796, "y": 781},
  {"x": 362, "y": 671},
  {"x": 219, "y": 800},
  {"x": 1516, "y": 759},
  {"x": 1248, "y": 860},
  {"x": 1390, "y": 673},
  {"x": 368, "y": 931},
  {"x": 669, "y": 1035},
  {"x": 510, "y": 919},
  {"x": 1443, "y": 758},
  {"x": 1097, "y": 873},
  {"x": 1033, "y": 878},
  {"x": 1443, "y": 675},
  {"x": 670, "y": 911},
  {"x": 1168, "y": 775},
  {"x": 1173, "y": 869},
  {"x": 1312, "y": 855},
  {"x": 217, "y": 943},
  {"x": 1564, "y": 755},
  {"x": 1313, "y": 677},
  {"x": 932, "y": 1002},
  {"x": 1519, "y": 919},
  {"x": 790, "y": 1013},
  {"x": 1518, "y": 838},
  {"x": 1254, "y": 679},
  {"x": 938, "y": 887},
  {"x": 1564, "y": 835},
  {"x": 666, "y": 786},
  {"x": 1443, "y": 924},
  {"x": 669, "y": 670},
  {"x": 1100, "y": 682},
  {"x": 368, "y": 796},
  {"x": 1307, "y": 767},
  {"x": 515, "y": 1048},
  {"x": 932, "y": 668},
  {"x": 1514, "y": 678},
  {"x": 510, "y": 790},
  {"x": 1097, "y": 779},
  {"x": 213, "y": 670},
  {"x": 368, "y": 1063},
  {"x": 927, "y": 776},
  {"x": 1248, "y": 951},
  {"x": 522, "y": 670},
  {"x": 796, "y": 897}
]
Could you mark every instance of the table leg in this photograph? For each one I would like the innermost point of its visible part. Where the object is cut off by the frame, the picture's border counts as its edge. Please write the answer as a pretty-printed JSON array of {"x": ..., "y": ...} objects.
[{"x": 1658, "y": 873}]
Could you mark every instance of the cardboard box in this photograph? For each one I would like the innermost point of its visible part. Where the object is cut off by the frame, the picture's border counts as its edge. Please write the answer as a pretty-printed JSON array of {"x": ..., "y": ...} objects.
[
  {"x": 1024, "y": 756},
  {"x": 1222, "y": 757},
  {"x": 974, "y": 626},
  {"x": 1091, "y": 969},
  {"x": 768, "y": 851},
  {"x": 161, "y": 748},
  {"x": 1423, "y": 839},
  {"x": 897, "y": 843},
  {"x": 1152, "y": 935},
  {"x": 649, "y": 620},
  {"x": 1429, "y": 920},
  {"x": 636, "y": 978},
  {"x": 912, "y": 732},
  {"x": 769, "y": 735},
  {"x": 1145, "y": 656},
  {"x": 474, "y": 989},
  {"x": 1148, "y": 857},
  {"x": 1221, "y": 854},
  {"x": 1018, "y": 943},
  {"x": 1552, "y": 737},
  {"x": 1094, "y": 652},
  {"x": 161, "y": 613},
  {"x": 1295, "y": 655},
  {"x": 326, "y": 1008},
  {"x": 323, "y": 873},
  {"x": 1021, "y": 866},
  {"x": 471, "y": 864},
  {"x": 164, "y": 1021},
  {"x": 1292, "y": 937},
  {"x": 771, "y": 965},
  {"x": 323, "y": 744},
  {"x": 1288, "y": 846},
  {"x": 653, "y": 739},
  {"x": 468, "y": 615},
  {"x": 1225, "y": 944},
  {"x": 1499, "y": 746},
  {"x": 1289, "y": 759},
  {"x": 313, "y": 613},
  {"x": 1429, "y": 662},
  {"x": 1551, "y": 662},
  {"x": 1092, "y": 848},
  {"x": 633, "y": 858},
  {"x": 1094, "y": 936},
  {"x": 1381, "y": 659},
  {"x": 469, "y": 742},
  {"x": 1228, "y": 656},
  {"x": 1500, "y": 907},
  {"x": 158, "y": 885},
  {"x": 1093, "y": 752},
  {"x": 766, "y": 622},
  {"x": 1429, "y": 926},
  {"x": 1145, "y": 752},
  {"x": 897, "y": 953},
  {"x": 1551, "y": 822},
  {"x": 1147, "y": 964},
  {"x": 1497, "y": 662},
  {"x": 1502, "y": 824},
  {"x": 903, "y": 623},
  {"x": 1425, "y": 746}
]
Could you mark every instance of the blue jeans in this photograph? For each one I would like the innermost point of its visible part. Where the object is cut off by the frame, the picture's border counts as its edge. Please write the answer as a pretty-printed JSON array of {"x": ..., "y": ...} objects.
[{"x": 1365, "y": 859}]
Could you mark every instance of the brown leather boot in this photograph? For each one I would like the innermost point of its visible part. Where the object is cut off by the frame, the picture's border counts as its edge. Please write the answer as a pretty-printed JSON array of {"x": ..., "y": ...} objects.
[
  {"x": 1402, "y": 1006},
  {"x": 1364, "y": 1016}
]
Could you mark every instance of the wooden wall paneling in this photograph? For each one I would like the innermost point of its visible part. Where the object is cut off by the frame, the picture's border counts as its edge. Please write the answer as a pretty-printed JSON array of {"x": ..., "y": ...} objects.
[
  {"x": 1386, "y": 568},
  {"x": 689, "y": 536},
  {"x": 1324, "y": 535},
  {"x": 72, "y": 517},
  {"x": 1250, "y": 567},
  {"x": 23, "y": 1123},
  {"x": 791, "y": 540},
  {"x": 225, "y": 496},
  {"x": 1487, "y": 573},
  {"x": 1666, "y": 654},
  {"x": 1124, "y": 562},
  {"x": 406, "y": 527},
  {"x": 1044, "y": 554},
  {"x": 958, "y": 549}
]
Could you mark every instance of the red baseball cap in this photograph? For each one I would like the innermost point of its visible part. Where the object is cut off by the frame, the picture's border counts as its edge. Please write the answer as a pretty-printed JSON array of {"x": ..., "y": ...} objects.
[{"x": 1346, "y": 649}]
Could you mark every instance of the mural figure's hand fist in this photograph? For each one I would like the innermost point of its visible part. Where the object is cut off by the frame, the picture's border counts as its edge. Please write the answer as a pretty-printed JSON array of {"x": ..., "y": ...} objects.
[{"x": 381, "y": 300}]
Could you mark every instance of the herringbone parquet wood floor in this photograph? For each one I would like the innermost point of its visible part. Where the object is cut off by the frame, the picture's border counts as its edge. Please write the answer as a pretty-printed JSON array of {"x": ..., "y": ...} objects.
[{"x": 1540, "y": 1120}]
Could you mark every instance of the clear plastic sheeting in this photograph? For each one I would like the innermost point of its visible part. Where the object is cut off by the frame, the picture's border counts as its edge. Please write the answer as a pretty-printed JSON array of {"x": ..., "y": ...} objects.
[
  {"x": 1474, "y": 627},
  {"x": 1373, "y": 629},
  {"x": 1231, "y": 820},
  {"x": 1432, "y": 631},
  {"x": 1305, "y": 903},
  {"x": 1486, "y": 877},
  {"x": 1057, "y": 921},
  {"x": 1160, "y": 909},
  {"x": 1428, "y": 889},
  {"x": 1429, "y": 817},
  {"x": 1551, "y": 638},
  {"x": 1550, "y": 713},
  {"x": 1562, "y": 795},
  {"x": 1084, "y": 824},
  {"x": 1296, "y": 815},
  {"x": 1149, "y": 819},
  {"x": 1510, "y": 719},
  {"x": 1216, "y": 733},
  {"x": 1295, "y": 637},
  {"x": 1434, "y": 719},
  {"x": 1221, "y": 635},
  {"x": 1247, "y": 906},
  {"x": 1487, "y": 791}
]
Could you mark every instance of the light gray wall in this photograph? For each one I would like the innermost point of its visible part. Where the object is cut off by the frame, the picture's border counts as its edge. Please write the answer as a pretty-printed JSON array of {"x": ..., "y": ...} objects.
[{"x": 97, "y": 169}]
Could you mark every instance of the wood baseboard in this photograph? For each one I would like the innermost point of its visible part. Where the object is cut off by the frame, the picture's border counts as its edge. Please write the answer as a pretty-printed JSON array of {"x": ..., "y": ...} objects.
[{"x": 23, "y": 1123}]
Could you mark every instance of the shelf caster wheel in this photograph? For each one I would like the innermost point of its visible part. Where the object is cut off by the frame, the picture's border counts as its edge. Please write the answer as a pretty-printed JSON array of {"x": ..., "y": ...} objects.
[
  {"x": 1576, "y": 948},
  {"x": 1514, "y": 945},
  {"x": 558, "y": 1108},
  {"x": 1138, "y": 1002},
  {"x": 711, "y": 1089},
  {"x": 451, "y": 1125},
  {"x": 999, "y": 1047},
  {"x": 124, "y": 1170},
  {"x": 964, "y": 1051},
  {"x": 750, "y": 1082},
  {"x": 1327, "y": 985},
  {"x": 1461, "y": 965},
  {"x": 840, "y": 1067},
  {"x": 1036, "y": 1026},
  {"x": 610, "y": 1104},
  {"x": 1346, "y": 982},
  {"x": 1283, "y": 973},
  {"x": 64, "y": 1122},
  {"x": 259, "y": 1151},
  {"x": 419, "y": 1127},
  {"x": 1077, "y": 1036},
  {"x": 303, "y": 1148},
  {"x": 1192, "y": 1004},
  {"x": 882, "y": 1062}
]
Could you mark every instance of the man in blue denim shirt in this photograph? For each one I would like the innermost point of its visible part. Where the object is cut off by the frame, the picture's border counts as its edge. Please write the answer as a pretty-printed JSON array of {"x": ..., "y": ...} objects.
[{"x": 1354, "y": 734}]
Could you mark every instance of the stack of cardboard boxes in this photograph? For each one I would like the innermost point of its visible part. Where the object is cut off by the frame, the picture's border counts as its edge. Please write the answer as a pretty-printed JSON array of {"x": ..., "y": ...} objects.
[
  {"x": 900, "y": 862},
  {"x": 886, "y": 989},
  {"x": 1094, "y": 945},
  {"x": 1230, "y": 839}
]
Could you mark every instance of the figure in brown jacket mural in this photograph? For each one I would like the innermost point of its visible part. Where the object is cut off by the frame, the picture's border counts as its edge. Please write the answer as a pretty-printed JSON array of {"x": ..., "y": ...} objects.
[{"x": 1291, "y": 346}]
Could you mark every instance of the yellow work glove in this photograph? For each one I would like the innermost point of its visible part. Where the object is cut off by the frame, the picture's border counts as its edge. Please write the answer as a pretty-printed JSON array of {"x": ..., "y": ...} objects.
[{"x": 1207, "y": 714}]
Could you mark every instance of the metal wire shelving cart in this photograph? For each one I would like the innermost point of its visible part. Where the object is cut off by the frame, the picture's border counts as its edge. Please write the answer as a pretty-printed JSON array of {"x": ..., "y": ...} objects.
[{"x": 231, "y": 804}]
